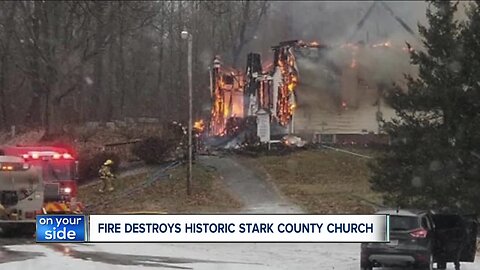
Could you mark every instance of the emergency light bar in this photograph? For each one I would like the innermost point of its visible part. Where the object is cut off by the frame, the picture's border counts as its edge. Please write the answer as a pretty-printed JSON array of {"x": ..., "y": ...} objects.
[{"x": 44, "y": 154}]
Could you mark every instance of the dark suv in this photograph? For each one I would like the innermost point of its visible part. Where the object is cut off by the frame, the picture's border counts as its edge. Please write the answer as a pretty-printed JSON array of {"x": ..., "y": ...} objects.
[{"x": 421, "y": 238}]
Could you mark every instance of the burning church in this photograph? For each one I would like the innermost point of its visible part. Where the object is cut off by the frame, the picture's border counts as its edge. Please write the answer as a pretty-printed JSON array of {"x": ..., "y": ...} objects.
[{"x": 327, "y": 93}]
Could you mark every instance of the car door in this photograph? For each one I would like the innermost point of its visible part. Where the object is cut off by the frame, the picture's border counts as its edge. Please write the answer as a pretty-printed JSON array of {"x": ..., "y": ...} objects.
[
  {"x": 454, "y": 233},
  {"x": 470, "y": 250}
]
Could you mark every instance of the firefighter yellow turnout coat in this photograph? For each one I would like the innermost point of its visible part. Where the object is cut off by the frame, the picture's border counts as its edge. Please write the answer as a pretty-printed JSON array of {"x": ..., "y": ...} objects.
[{"x": 107, "y": 178}]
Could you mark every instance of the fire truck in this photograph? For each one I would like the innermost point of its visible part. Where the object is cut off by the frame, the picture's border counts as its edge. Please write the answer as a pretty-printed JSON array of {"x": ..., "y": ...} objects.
[
  {"x": 59, "y": 170},
  {"x": 21, "y": 194}
]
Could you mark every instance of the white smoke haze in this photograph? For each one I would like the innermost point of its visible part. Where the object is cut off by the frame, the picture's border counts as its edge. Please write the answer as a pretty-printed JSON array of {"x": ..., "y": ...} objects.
[
  {"x": 321, "y": 89},
  {"x": 334, "y": 22},
  {"x": 326, "y": 81},
  {"x": 349, "y": 73}
]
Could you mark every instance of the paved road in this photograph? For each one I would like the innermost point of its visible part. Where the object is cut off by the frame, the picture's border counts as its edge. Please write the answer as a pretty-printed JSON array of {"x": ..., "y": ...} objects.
[
  {"x": 258, "y": 196},
  {"x": 184, "y": 256}
]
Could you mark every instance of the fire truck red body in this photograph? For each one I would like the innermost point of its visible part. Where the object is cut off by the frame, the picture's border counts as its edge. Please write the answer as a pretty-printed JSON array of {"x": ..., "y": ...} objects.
[{"x": 59, "y": 168}]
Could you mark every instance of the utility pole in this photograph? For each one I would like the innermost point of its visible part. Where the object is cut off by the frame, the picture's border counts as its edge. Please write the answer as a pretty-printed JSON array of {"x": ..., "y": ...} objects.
[{"x": 189, "y": 38}]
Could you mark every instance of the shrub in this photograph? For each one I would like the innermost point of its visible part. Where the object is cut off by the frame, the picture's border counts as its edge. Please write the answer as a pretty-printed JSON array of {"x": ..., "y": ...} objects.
[
  {"x": 85, "y": 133},
  {"x": 128, "y": 132},
  {"x": 90, "y": 163},
  {"x": 154, "y": 150},
  {"x": 174, "y": 132}
]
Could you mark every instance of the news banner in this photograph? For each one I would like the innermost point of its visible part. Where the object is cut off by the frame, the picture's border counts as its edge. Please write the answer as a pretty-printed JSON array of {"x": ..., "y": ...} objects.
[{"x": 212, "y": 228}]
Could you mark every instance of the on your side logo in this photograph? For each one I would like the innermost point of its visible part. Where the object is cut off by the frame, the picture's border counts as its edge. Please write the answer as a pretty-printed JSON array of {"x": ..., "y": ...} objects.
[{"x": 61, "y": 228}]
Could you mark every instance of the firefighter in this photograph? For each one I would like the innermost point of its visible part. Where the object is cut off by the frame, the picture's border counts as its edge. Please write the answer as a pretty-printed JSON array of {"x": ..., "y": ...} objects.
[
  {"x": 106, "y": 176},
  {"x": 3, "y": 211}
]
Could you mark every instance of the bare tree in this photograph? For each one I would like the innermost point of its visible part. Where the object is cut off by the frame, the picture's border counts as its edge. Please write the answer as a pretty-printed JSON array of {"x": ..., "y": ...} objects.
[
  {"x": 239, "y": 22},
  {"x": 68, "y": 61},
  {"x": 7, "y": 27}
]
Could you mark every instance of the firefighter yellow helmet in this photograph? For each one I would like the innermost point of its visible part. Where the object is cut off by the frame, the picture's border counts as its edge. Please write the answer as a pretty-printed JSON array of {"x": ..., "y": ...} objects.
[{"x": 108, "y": 162}]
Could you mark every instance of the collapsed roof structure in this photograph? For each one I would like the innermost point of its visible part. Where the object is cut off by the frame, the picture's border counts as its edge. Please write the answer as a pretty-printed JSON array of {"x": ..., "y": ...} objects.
[{"x": 313, "y": 89}]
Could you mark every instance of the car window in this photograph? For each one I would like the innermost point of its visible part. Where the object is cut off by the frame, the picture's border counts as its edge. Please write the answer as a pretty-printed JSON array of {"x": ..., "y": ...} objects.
[
  {"x": 403, "y": 223},
  {"x": 426, "y": 223}
]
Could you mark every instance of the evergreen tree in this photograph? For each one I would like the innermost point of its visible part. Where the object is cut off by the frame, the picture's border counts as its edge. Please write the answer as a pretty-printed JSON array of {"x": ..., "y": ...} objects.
[
  {"x": 470, "y": 118},
  {"x": 432, "y": 161}
]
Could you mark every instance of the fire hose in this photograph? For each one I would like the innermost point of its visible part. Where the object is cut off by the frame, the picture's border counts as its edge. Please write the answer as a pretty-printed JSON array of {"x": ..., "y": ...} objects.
[{"x": 345, "y": 151}]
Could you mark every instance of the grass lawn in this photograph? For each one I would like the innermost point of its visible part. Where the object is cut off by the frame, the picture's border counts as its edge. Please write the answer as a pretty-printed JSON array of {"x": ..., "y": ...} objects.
[
  {"x": 321, "y": 181},
  {"x": 209, "y": 195}
]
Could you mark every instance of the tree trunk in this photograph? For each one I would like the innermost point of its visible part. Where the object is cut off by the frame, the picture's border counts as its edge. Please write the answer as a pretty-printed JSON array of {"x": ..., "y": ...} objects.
[
  {"x": 108, "y": 114},
  {"x": 179, "y": 85},
  {"x": 53, "y": 123},
  {"x": 170, "y": 93},
  {"x": 3, "y": 86},
  {"x": 98, "y": 63},
  {"x": 238, "y": 45},
  {"x": 162, "y": 97},
  {"x": 5, "y": 69},
  {"x": 121, "y": 64},
  {"x": 4, "y": 73},
  {"x": 33, "y": 116},
  {"x": 47, "y": 113}
]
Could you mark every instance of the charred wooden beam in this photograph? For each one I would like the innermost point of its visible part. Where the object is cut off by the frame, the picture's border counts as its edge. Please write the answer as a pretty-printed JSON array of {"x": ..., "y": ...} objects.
[
  {"x": 362, "y": 21},
  {"x": 398, "y": 19}
]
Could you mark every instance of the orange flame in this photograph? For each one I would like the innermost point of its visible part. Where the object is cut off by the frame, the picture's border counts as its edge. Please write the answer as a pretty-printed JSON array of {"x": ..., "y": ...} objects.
[
  {"x": 285, "y": 106},
  {"x": 267, "y": 66},
  {"x": 226, "y": 112},
  {"x": 387, "y": 44},
  {"x": 199, "y": 125}
]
